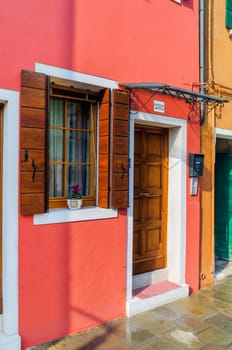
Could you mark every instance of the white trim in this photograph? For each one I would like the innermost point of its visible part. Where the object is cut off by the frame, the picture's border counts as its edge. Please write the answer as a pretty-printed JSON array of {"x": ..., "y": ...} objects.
[
  {"x": 76, "y": 76},
  {"x": 9, "y": 338},
  {"x": 176, "y": 229},
  {"x": 93, "y": 213},
  {"x": 67, "y": 215},
  {"x": 145, "y": 279},
  {"x": 137, "y": 306},
  {"x": 223, "y": 133}
]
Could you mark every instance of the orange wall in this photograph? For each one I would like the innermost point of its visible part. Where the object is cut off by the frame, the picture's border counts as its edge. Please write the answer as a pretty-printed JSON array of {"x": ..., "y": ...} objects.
[
  {"x": 219, "y": 78},
  {"x": 72, "y": 276}
]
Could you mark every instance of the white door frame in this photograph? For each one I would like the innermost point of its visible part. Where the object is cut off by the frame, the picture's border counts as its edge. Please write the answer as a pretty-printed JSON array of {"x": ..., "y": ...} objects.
[{"x": 176, "y": 226}]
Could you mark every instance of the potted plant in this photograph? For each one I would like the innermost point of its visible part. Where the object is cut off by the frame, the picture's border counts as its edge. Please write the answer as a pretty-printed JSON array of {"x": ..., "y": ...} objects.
[{"x": 75, "y": 197}]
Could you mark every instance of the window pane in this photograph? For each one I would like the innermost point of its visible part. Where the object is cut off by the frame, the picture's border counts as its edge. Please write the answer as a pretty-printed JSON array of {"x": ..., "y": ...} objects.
[
  {"x": 56, "y": 145},
  {"x": 71, "y": 146},
  {"x": 56, "y": 181},
  {"x": 56, "y": 112},
  {"x": 78, "y": 146},
  {"x": 78, "y": 115},
  {"x": 79, "y": 175}
]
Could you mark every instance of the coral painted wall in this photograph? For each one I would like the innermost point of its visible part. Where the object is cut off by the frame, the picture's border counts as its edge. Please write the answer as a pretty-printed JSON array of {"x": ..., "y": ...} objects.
[
  {"x": 122, "y": 40},
  {"x": 72, "y": 276}
]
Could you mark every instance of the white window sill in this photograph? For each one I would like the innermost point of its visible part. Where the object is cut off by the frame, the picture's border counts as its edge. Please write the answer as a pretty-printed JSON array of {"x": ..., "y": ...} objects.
[{"x": 67, "y": 215}]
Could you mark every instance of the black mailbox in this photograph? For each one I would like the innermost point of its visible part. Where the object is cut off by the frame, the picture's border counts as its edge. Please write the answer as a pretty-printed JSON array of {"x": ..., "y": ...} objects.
[{"x": 196, "y": 164}]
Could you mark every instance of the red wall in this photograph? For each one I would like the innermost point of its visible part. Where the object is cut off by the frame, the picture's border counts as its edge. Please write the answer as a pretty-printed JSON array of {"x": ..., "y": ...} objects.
[
  {"x": 72, "y": 276},
  {"x": 193, "y": 214},
  {"x": 144, "y": 40}
]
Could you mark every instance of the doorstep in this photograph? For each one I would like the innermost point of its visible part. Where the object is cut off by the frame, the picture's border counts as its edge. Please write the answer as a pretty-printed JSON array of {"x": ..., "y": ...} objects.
[{"x": 155, "y": 295}]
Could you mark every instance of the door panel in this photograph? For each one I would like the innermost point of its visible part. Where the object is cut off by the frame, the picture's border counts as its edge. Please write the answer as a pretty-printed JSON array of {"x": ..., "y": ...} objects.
[{"x": 150, "y": 199}]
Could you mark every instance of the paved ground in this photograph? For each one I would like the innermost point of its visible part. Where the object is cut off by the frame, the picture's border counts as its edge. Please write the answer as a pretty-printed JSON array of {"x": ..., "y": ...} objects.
[{"x": 202, "y": 321}]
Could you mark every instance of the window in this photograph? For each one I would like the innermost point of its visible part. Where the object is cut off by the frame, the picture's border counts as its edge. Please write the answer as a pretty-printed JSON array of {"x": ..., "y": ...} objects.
[
  {"x": 70, "y": 136},
  {"x": 72, "y": 145}
]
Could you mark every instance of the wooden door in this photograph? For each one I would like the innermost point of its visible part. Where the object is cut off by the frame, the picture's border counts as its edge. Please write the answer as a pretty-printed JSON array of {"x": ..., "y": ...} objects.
[{"x": 150, "y": 199}]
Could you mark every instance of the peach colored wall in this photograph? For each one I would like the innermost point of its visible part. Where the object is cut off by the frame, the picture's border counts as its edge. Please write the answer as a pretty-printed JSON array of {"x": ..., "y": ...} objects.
[
  {"x": 219, "y": 61},
  {"x": 72, "y": 276}
]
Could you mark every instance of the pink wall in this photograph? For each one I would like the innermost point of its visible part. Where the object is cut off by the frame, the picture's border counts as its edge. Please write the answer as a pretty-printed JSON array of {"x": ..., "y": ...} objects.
[
  {"x": 123, "y": 40},
  {"x": 72, "y": 276}
]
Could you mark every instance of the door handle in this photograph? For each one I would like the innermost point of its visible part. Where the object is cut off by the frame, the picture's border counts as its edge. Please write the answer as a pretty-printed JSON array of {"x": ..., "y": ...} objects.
[{"x": 147, "y": 194}]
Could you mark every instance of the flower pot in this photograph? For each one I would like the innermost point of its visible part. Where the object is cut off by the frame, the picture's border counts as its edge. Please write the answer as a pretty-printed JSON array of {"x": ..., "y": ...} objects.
[{"x": 74, "y": 204}]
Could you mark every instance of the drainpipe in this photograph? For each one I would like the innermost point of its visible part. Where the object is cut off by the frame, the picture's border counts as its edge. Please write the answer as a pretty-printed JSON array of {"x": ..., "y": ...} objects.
[{"x": 202, "y": 55}]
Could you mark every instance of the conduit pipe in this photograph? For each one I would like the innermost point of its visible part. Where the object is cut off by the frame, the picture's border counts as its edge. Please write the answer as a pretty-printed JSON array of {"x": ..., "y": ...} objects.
[{"x": 202, "y": 55}]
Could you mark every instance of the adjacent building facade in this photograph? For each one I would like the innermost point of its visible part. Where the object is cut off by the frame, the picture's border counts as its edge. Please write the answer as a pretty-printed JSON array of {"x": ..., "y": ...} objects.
[
  {"x": 103, "y": 96},
  {"x": 216, "y": 131}
]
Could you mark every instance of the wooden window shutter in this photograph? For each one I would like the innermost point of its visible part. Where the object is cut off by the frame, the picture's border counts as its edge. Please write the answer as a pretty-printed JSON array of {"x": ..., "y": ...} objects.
[
  {"x": 33, "y": 143},
  {"x": 114, "y": 149}
]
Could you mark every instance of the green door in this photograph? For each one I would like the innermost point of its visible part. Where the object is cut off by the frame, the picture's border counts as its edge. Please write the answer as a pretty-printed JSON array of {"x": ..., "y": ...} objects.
[{"x": 223, "y": 206}]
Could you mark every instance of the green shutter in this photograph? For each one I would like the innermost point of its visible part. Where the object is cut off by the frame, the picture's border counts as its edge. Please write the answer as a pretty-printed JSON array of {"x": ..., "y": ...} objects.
[{"x": 229, "y": 14}]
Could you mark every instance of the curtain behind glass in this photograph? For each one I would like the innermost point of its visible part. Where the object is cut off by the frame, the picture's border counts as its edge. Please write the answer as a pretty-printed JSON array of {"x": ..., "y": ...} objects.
[
  {"x": 56, "y": 147},
  {"x": 72, "y": 131},
  {"x": 78, "y": 145}
]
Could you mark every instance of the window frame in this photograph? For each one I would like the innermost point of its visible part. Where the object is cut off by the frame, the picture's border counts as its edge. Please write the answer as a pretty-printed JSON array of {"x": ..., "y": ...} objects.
[
  {"x": 114, "y": 113},
  {"x": 93, "y": 100}
]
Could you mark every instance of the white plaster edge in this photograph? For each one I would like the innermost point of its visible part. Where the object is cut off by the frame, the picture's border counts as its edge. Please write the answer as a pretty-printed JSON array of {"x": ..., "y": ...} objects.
[
  {"x": 10, "y": 343},
  {"x": 76, "y": 76},
  {"x": 148, "y": 278},
  {"x": 9, "y": 338},
  {"x": 67, "y": 215},
  {"x": 136, "y": 306},
  {"x": 223, "y": 133}
]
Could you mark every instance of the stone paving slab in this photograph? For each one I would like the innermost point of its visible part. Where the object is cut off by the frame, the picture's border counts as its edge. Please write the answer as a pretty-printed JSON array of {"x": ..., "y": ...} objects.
[{"x": 202, "y": 321}]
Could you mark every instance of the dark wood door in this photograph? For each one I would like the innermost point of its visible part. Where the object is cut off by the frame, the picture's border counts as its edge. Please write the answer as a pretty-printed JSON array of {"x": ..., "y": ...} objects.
[{"x": 150, "y": 199}]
